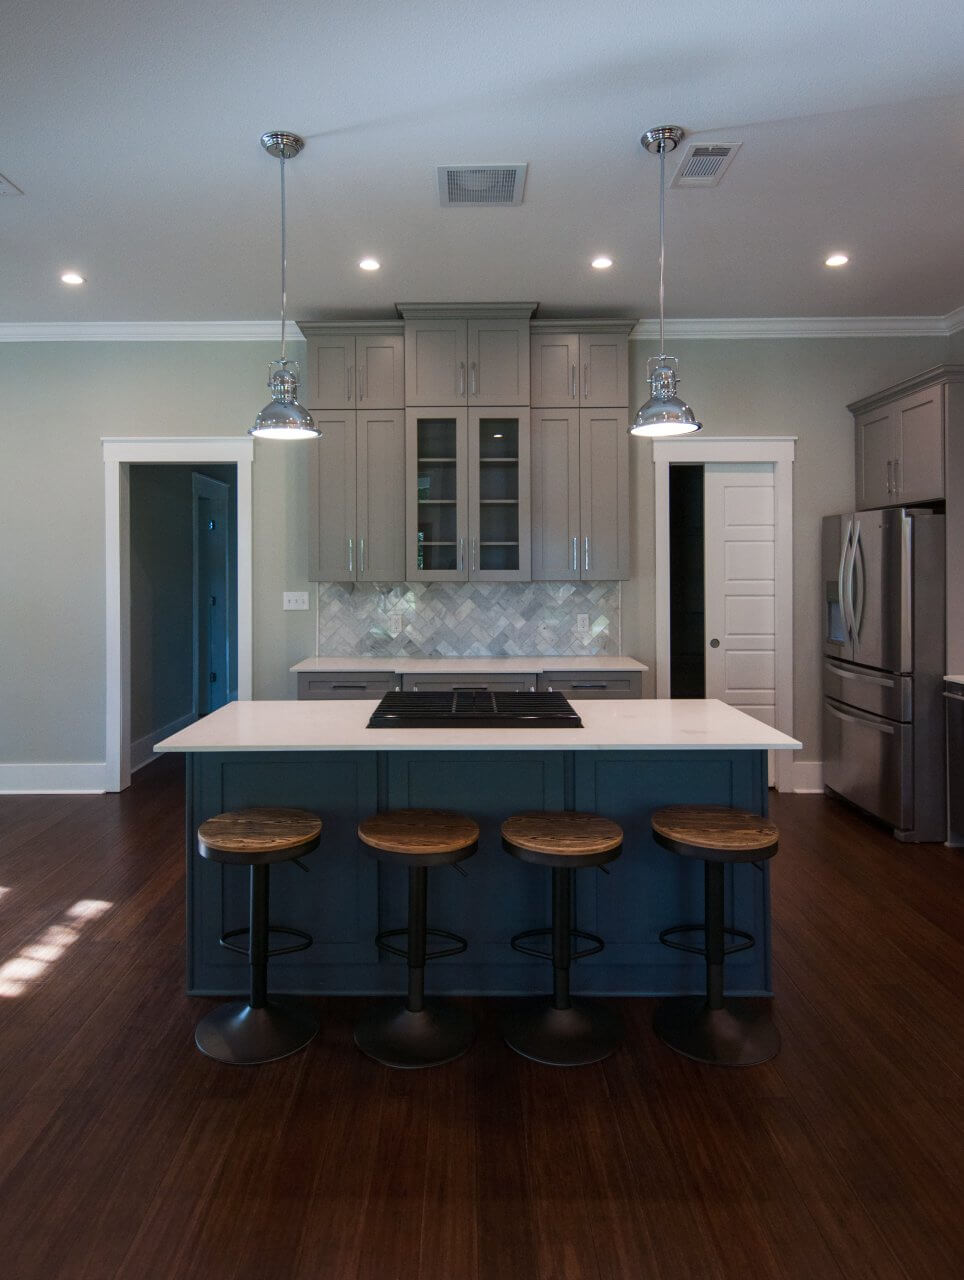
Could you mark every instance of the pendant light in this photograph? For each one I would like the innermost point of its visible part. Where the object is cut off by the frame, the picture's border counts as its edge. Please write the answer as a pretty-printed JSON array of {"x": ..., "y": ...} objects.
[
  {"x": 284, "y": 418},
  {"x": 664, "y": 413}
]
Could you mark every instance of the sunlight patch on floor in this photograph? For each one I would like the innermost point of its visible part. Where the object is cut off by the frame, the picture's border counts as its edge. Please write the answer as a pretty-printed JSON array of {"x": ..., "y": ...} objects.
[{"x": 35, "y": 957}]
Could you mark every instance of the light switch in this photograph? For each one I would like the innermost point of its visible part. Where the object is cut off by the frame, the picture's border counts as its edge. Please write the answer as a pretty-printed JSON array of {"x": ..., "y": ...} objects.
[
  {"x": 582, "y": 624},
  {"x": 394, "y": 624},
  {"x": 296, "y": 599}
]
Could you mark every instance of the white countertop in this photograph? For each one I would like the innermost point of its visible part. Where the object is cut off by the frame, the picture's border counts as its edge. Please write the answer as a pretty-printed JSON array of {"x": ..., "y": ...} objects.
[
  {"x": 510, "y": 666},
  {"x": 954, "y": 679},
  {"x": 620, "y": 724}
]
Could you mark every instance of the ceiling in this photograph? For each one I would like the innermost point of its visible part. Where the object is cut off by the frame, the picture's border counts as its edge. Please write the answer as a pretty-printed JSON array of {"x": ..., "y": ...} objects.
[{"x": 132, "y": 130}]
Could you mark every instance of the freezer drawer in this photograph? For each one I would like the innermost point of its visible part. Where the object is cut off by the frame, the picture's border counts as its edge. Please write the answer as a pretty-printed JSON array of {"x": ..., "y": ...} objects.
[
  {"x": 869, "y": 761},
  {"x": 954, "y": 696},
  {"x": 879, "y": 692}
]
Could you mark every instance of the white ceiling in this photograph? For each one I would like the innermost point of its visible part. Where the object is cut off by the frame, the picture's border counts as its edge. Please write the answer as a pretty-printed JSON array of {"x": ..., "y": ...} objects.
[{"x": 133, "y": 130}]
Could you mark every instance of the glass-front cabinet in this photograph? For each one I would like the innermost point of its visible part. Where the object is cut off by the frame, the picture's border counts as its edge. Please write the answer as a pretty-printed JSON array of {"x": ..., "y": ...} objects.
[{"x": 468, "y": 507}]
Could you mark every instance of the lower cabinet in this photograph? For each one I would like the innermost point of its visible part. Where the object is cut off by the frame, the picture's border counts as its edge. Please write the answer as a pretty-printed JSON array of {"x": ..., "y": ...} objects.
[
  {"x": 333, "y": 685},
  {"x": 484, "y": 681},
  {"x": 593, "y": 684}
]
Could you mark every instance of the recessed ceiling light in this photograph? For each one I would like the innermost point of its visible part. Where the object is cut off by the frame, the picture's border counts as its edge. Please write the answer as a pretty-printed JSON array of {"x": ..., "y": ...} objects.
[
  {"x": 602, "y": 263},
  {"x": 837, "y": 260},
  {"x": 369, "y": 264},
  {"x": 72, "y": 277}
]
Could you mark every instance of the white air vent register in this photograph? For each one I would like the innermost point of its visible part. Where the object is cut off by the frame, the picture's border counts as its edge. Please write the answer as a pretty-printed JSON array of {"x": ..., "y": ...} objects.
[
  {"x": 476, "y": 184},
  {"x": 704, "y": 165}
]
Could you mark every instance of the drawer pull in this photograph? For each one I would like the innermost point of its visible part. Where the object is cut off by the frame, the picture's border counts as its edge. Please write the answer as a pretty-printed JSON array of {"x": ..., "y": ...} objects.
[
  {"x": 589, "y": 686},
  {"x": 349, "y": 686}
]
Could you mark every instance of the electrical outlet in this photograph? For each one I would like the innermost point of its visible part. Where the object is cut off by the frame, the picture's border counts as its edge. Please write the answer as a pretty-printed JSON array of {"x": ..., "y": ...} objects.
[
  {"x": 582, "y": 624},
  {"x": 394, "y": 624},
  {"x": 295, "y": 600},
  {"x": 546, "y": 630}
]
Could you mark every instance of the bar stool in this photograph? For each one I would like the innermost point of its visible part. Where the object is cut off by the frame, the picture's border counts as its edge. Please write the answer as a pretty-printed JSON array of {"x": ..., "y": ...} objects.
[
  {"x": 733, "y": 1032},
  {"x": 419, "y": 1034},
  {"x": 258, "y": 1029},
  {"x": 566, "y": 1032}
]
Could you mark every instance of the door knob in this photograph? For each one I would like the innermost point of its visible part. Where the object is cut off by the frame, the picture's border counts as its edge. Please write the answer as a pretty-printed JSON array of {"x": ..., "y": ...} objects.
[{"x": 714, "y": 643}]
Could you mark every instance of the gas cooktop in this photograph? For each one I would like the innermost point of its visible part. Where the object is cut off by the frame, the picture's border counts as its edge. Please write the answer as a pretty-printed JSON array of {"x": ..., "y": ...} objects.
[{"x": 473, "y": 709}]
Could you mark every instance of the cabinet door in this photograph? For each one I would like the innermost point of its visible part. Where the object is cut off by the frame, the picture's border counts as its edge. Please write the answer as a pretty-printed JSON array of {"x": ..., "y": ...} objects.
[
  {"x": 555, "y": 495},
  {"x": 381, "y": 496},
  {"x": 435, "y": 362},
  {"x": 603, "y": 369},
  {"x": 498, "y": 357},
  {"x": 332, "y": 498},
  {"x": 876, "y": 451},
  {"x": 554, "y": 366},
  {"x": 380, "y": 377},
  {"x": 499, "y": 495},
  {"x": 331, "y": 371},
  {"x": 603, "y": 494},
  {"x": 436, "y": 510},
  {"x": 919, "y": 463}
]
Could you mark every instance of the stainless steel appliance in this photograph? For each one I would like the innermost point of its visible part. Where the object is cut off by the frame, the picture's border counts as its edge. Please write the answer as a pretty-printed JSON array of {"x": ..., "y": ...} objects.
[
  {"x": 954, "y": 701},
  {"x": 883, "y": 666},
  {"x": 474, "y": 709}
]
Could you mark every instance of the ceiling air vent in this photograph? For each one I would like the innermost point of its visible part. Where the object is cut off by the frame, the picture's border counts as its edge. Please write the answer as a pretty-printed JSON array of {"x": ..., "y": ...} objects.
[
  {"x": 475, "y": 184},
  {"x": 7, "y": 188},
  {"x": 703, "y": 165}
]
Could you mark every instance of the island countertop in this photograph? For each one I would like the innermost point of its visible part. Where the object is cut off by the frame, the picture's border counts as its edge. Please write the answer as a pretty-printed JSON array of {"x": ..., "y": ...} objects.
[
  {"x": 630, "y": 725},
  {"x": 441, "y": 666}
]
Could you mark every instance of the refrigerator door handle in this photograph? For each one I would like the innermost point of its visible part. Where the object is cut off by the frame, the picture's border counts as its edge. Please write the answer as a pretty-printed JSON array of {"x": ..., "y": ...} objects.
[
  {"x": 846, "y": 583},
  {"x": 857, "y": 570},
  {"x": 857, "y": 717},
  {"x": 841, "y": 569}
]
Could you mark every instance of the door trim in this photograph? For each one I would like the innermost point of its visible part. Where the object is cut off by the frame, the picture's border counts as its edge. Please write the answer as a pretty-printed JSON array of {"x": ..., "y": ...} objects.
[
  {"x": 778, "y": 450},
  {"x": 119, "y": 452}
]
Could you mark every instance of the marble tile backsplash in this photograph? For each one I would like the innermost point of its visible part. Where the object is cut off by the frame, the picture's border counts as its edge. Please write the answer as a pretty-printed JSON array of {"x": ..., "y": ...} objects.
[{"x": 474, "y": 620}]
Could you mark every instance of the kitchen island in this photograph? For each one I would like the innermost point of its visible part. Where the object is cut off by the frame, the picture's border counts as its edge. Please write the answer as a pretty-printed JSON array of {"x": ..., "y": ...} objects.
[{"x": 629, "y": 758}]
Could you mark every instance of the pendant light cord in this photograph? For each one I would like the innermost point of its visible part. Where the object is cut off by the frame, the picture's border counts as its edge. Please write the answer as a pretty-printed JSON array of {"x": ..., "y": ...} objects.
[
  {"x": 662, "y": 250},
  {"x": 284, "y": 292}
]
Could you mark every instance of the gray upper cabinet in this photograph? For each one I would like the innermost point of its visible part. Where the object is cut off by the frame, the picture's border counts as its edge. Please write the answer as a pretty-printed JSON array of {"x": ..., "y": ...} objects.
[
  {"x": 900, "y": 441},
  {"x": 436, "y": 363},
  {"x": 580, "y": 495},
  {"x": 437, "y": 485},
  {"x": 354, "y": 368},
  {"x": 467, "y": 354},
  {"x": 498, "y": 358},
  {"x": 584, "y": 366},
  {"x": 357, "y": 497},
  {"x": 499, "y": 495}
]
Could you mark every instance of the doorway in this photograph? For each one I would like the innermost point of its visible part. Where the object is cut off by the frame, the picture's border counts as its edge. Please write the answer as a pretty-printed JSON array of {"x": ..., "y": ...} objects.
[{"x": 724, "y": 594}]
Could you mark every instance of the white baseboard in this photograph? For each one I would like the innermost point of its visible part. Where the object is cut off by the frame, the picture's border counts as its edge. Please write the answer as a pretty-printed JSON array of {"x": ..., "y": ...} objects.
[
  {"x": 53, "y": 779},
  {"x": 142, "y": 749},
  {"x": 808, "y": 777}
]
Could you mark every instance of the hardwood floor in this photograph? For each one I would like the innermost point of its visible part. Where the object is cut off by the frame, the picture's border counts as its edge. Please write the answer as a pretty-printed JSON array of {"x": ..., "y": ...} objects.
[{"x": 125, "y": 1153}]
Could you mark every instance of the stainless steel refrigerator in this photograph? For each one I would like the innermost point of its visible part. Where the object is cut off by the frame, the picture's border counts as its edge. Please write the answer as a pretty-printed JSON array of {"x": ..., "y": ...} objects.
[{"x": 883, "y": 666}]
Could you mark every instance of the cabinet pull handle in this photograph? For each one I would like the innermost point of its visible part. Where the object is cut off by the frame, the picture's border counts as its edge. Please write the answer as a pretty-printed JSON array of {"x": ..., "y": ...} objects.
[
  {"x": 475, "y": 378},
  {"x": 575, "y": 555},
  {"x": 586, "y": 561},
  {"x": 472, "y": 568},
  {"x": 572, "y": 382},
  {"x": 362, "y": 373},
  {"x": 348, "y": 372},
  {"x": 585, "y": 381},
  {"x": 351, "y": 568},
  {"x": 897, "y": 477},
  {"x": 461, "y": 559},
  {"x": 890, "y": 465},
  {"x": 361, "y": 555},
  {"x": 461, "y": 377}
]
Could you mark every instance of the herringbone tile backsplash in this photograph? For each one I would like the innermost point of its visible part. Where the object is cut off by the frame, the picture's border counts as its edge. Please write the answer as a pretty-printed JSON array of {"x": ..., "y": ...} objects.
[{"x": 470, "y": 620}]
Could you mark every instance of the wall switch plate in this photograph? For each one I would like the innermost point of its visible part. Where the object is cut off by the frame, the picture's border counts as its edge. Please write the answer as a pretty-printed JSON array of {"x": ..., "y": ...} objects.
[
  {"x": 296, "y": 599},
  {"x": 394, "y": 624},
  {"x": 582, "y": 624}
]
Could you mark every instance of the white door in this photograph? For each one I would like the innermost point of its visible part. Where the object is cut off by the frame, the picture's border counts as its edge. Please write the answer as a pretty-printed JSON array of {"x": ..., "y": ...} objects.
[{"x": 738, "y": 550}]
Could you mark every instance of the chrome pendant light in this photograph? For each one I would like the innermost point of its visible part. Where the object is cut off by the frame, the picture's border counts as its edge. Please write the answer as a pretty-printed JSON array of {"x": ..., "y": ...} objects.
[
  {"x": 284, "y": 418},
  {"x": 664, "y": 413}
]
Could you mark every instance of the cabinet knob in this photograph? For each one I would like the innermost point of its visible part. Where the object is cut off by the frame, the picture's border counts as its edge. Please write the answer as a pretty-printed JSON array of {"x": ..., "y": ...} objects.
[{"x": 714, "y": 643}]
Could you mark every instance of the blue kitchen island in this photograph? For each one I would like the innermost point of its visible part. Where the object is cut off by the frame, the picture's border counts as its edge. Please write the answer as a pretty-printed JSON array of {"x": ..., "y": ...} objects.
[{"x": 629, "y": 758}]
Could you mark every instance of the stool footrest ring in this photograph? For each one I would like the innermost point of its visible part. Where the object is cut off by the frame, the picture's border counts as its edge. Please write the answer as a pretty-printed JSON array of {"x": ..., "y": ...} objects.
[
  {"x": 460, "y": 943},
  {"x": 306, "y": 942},
  {"x": 517, "y": 944},
  {"x": 665, "y": 937}
]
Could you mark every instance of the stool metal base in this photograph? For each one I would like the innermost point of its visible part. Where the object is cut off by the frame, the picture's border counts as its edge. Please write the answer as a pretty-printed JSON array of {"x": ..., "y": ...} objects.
[
  {"x": 585, "y": 1032},
  {"x": 740, "y": 1034},
  {"x": 244, "y": 1036},
  {"x": 398, "y": 1037}
]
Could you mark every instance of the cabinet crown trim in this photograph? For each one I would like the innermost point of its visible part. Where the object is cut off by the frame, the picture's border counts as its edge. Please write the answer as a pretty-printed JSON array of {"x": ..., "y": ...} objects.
[
  {"x": 579, "y": 324},
  {"x": 313, "y": 328},
  {"x": 927, "y": 378},
  {"x": 465, "y": 310}
]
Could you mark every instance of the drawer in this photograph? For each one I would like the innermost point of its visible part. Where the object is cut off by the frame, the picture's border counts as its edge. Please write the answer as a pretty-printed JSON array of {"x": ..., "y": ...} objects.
[
  {"x": 519, "y": 682},
  {"x": 346, "y": 684},
  {"x": 877, "y": 692},
  {"x": 594, "y": 684}
]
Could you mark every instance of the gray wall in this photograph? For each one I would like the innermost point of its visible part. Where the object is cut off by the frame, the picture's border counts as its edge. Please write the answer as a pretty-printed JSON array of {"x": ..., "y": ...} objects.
[
  {"x": 796, "y": 387},
  {"x": 58, "y": 399}
]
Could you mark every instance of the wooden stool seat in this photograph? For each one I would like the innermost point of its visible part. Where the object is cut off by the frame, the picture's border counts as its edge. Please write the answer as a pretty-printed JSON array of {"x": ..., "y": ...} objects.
[
  {"x": 421, "y": 836},
  {"x": 715, "y": 833},
  {"x": 256, "y": 837},
  {"x": 562, "y": 839}
]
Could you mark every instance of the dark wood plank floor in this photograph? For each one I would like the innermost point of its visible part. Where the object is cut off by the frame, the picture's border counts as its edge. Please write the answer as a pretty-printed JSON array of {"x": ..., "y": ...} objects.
[{"x": 125, "y": 1153}]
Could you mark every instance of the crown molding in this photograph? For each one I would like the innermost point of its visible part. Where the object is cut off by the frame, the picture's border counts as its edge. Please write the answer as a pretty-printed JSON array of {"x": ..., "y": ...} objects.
[
  {"x": 806, "y": 327},
  {"x": 145, "y": 331}
]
